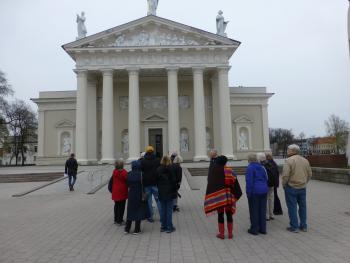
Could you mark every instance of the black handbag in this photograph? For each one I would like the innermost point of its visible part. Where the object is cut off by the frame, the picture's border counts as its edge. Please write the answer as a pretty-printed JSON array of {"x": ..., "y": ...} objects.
[
  {"x": 145, "y": 195},
  {"x": 237, "y": 190},
  {"x": 110, "y": 184}
]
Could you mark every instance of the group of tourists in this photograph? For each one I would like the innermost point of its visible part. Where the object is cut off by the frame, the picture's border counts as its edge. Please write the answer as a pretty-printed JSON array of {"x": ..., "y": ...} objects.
[
  {"x": 148, "y": 177},
  {"x": 262, "y": 180},
  {"x": 161, "y": 179}
]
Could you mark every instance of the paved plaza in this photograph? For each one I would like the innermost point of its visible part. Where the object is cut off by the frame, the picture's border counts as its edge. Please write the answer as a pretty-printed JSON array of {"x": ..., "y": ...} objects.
[{"x": 55, "y": 225}]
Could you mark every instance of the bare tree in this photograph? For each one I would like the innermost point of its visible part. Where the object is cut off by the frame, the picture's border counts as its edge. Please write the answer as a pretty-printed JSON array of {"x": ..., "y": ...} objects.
[
  {"x": 301, "y": 136},
  {"x": 282, "y": 138},
  {"x": 339, "y": 129},
  {"x": 22, "y": 124},
  {"x": 5, "y": 88},
  {"x": 3, "y": 131}
]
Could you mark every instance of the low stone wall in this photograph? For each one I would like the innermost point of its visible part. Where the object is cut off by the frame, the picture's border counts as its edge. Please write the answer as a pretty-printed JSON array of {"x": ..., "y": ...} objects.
[
  {"x": 333, "y": 175},
  {"x": 328, "y": 161}
]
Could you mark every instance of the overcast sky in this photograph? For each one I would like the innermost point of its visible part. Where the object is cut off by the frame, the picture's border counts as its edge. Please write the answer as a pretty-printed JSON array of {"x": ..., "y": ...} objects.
[{"x": 297, "y": 49}]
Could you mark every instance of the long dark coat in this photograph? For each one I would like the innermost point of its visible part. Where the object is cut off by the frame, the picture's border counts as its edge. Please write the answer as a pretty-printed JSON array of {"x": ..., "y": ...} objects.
[
  {"x": 136, "y": 210},
  {"x": 166, "y": 182},
  {"x": 149, "y": 165}
]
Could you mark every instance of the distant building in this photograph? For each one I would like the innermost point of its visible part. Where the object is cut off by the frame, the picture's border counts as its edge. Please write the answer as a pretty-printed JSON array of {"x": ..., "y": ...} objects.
[
  {"x": 305, "y": 146},
  {"x": 324, "y": 145},
  {"x": 7, "y": 156}
]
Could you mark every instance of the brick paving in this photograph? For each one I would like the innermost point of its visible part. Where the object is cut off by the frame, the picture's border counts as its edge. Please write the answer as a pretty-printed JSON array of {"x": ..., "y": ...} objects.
[{"x": 54, "y": 225}]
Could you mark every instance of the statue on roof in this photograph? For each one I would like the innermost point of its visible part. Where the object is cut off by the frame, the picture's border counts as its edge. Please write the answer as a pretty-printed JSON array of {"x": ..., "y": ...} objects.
[
  {"x": 81, "y": 25},
  {"x": 152, "y": 7},
  {"x": 221, "y": 24}
]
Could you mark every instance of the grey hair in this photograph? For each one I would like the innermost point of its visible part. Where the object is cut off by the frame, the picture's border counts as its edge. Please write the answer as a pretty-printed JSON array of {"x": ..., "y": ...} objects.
[
  {"x": 214, "y": 151},
  {"x": 295, "y": 148},
  {"x": 178, "y": 159},
  {"x": 269, "y": 153},
  {"x": 261, "y": 157},
  {"x": 252, "y": 158}
]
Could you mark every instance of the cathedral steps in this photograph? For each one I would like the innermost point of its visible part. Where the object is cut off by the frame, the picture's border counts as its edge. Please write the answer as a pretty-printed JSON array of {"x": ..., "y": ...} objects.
[{"x": 32, "y": 177}]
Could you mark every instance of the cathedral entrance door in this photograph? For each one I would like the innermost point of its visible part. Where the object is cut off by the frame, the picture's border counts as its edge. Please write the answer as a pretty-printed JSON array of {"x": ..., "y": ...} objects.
[{"x": 155, "y": 139}]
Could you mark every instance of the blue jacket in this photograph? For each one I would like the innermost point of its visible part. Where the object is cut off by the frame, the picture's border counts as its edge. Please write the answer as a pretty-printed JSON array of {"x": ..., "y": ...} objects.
[{"x": 256, "y": 179}]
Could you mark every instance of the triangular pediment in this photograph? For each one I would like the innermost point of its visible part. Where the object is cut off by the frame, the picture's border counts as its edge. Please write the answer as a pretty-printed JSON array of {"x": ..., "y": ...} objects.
[
  {"x": 155, "y": 117},
  {"x": 242, "y": 119},
  {"x": 151, "y": 31},
  {"x": 65, "y": 124}
]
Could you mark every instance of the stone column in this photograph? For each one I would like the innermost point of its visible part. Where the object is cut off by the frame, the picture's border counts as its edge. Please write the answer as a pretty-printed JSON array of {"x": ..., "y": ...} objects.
[
  {"x": 199, "y": 116},
  {"x": 134, "y": 115},
  {"x": 173, "y": 111},
  {"x": 92, "y": 120},
  {"x": 265, "y": 121},
  {"x": 41, "y": 133},
  {"x": 225, "y": 113},
  {"x": 216, "y": 118},
  {"x": 81, "y": 117},
  {"x": 107, "y": 118}
]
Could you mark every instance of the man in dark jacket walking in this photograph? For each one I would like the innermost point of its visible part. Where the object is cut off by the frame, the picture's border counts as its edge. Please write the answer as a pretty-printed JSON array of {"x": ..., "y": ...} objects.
[
  {"x": 149, "y": 167},
  {"x": 71, "y": 169}
]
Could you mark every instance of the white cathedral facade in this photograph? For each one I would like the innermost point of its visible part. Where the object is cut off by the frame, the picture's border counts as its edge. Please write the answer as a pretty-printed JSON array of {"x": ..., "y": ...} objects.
[{"x": 154, "y": 82}]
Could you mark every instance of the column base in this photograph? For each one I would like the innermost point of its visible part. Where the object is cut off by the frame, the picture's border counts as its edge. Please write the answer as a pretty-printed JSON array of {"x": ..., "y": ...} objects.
[
  {"x": 87, "y": 161},
  {"x": 107, "y": 161},
  {"x": 131, "y": 159},
  {"x": 201, "y": 158}
]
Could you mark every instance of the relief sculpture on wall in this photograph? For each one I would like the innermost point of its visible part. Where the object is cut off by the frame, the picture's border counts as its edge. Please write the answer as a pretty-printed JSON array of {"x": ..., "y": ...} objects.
[
  {"x": 66, "y": 143},
  {"x": 155, "y": 103},
  {"x": 243, "y": 139}
]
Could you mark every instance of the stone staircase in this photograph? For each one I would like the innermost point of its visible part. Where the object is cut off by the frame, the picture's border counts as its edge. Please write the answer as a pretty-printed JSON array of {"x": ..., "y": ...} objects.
[
  {"x": 32, "y": 177},
  {"x": 240, "y": 170}
]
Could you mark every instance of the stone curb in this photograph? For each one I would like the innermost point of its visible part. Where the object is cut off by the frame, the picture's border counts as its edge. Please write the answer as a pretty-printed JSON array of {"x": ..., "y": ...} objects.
[
  {"x": 41, "y": 186},
  {"x": 191, "y": 181},
  {"x": 97, "y": 188}
]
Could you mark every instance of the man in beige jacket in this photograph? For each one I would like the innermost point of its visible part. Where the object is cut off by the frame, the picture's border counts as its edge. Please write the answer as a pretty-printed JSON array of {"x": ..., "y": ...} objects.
[{"x": 296, "y": 174}]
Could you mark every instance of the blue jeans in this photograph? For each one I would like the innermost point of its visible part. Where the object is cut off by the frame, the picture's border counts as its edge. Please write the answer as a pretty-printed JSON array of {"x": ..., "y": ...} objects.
[
  {"x": 152, "y": 190},
  {"x": 296, "y": 197},
  {"x": 166, "y": 215},
  {"x": 257, "y": 211},
  {"x": 71, "y": 180}
]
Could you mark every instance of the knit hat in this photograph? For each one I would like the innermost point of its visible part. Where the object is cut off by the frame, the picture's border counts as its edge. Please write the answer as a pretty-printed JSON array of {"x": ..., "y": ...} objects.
[{"x": 149, "y": 149}]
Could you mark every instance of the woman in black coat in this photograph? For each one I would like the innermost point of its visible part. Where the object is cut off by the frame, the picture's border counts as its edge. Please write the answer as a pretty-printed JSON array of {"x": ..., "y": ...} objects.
[
  {"x": 137, "y": 210},
  {"x": 166, "y": 183}
]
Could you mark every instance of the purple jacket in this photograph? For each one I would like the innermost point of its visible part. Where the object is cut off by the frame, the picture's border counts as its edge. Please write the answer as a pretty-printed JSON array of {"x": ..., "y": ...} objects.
[{"x": 256, "y": 179}]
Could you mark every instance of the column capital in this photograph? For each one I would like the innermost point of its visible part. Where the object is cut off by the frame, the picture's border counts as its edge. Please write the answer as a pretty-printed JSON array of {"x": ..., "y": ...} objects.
[
  {"x": 107, "y": 71},
  {"x": 80, "y": 72},
  {"x": 198, "y": 70},
  {"x": 223, "y": 68},
  {"x": 133, "y": 70},
  {"x": 172, "y": 69}
]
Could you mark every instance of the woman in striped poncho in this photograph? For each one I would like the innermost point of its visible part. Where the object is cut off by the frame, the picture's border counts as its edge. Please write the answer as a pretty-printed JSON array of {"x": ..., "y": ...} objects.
[{"x": 221, "y": 195}]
